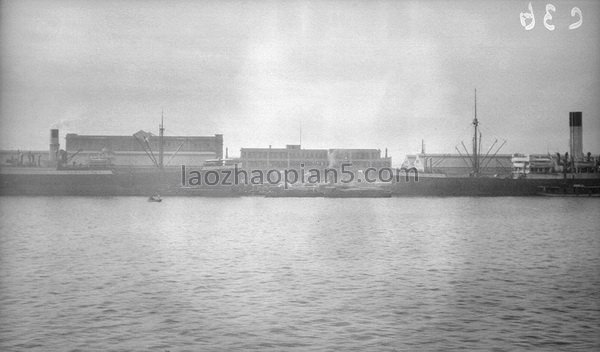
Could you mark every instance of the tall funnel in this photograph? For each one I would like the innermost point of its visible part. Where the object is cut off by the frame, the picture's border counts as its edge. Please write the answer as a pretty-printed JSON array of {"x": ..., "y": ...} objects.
[
  {"x": 575, "y": 136},
  {"x": 53, "y": 152}
]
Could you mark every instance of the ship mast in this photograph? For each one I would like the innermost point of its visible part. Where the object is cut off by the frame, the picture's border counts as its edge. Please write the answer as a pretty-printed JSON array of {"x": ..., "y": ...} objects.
[
  {"x": 300, "y": 134},
  {"x": 475, "y": 143},
  {"x": 160, "y": 141}
]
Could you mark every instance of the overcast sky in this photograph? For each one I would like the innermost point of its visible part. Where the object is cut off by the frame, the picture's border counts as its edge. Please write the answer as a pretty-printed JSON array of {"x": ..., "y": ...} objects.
[{"x": 353, "y": 74}]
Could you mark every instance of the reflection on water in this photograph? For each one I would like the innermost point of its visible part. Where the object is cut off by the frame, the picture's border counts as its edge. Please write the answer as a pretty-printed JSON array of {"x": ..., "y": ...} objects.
[{"x": 192, "y": 274}]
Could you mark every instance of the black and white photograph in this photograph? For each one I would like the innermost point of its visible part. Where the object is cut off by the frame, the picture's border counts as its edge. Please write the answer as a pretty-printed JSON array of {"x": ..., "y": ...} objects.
[{"x": 334, "y": 175}]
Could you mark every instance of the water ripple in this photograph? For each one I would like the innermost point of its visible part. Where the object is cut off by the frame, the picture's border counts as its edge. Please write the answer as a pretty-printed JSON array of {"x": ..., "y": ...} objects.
[{"x": 253, "y": 274}]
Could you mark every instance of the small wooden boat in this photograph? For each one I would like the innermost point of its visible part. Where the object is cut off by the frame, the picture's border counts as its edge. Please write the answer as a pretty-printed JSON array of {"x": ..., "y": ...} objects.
[
  {"x": 356, "y": 192},
  {"x": 569, "y": 191},
  {"x": 294, "y": 192},
  {"x": 155, "y": 198}
]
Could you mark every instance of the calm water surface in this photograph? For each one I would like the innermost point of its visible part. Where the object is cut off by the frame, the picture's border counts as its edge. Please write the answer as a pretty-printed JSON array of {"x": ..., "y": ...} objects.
[{"x": 200, "y": 274}]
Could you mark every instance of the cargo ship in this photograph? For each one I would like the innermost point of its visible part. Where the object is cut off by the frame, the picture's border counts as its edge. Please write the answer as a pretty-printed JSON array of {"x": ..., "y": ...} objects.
[
  {"x": 527, "y": 176},
  {"x": 101, "y": 178},
  {"x": 98, "y": 176}
]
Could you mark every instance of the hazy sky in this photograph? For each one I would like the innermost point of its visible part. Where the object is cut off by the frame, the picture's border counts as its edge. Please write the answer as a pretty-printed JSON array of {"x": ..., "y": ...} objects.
[{"x": 353, "y": 74}]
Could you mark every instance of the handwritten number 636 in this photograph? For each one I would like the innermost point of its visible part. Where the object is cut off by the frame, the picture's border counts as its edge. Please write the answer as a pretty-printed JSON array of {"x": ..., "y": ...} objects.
[{"x": 528, "y": 19}]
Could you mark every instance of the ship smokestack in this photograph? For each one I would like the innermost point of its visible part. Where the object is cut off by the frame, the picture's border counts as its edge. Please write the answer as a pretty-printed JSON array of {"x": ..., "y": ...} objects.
[
  {"x": 575, "y": 136},
  {"x": 54, "y": 146}
]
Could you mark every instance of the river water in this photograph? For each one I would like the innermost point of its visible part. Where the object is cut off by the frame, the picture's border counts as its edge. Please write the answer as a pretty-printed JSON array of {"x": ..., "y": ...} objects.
[{"x": 312, "y": 274}]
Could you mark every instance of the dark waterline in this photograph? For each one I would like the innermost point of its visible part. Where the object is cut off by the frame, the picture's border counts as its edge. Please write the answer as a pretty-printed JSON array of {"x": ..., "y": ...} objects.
[{"x": 312, "y": 274}]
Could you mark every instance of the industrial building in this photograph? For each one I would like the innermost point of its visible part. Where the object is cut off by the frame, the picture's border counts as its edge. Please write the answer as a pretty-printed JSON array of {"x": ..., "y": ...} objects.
[
  {"x": 139, "y": 149},
  {"x": 458, "y": 165},
  {"x": 32, "y": 158},
  {"x": 294, "y": 157},
  {"x": 516, "y": 165}
]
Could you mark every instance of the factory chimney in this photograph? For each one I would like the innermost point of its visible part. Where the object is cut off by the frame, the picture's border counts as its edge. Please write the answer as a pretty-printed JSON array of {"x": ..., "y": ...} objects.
[
  {"x": 54, "y": 145},
  {"x": 575, "y": 136}
]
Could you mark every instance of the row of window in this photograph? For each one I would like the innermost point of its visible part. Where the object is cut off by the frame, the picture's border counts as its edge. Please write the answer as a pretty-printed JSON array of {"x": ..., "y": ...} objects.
[
  {"x": 133, "y": 145},
  {"x": 283, "y": 155},
  {"x": 308, "y": 155},
  {"x": 259, "y": 164}
]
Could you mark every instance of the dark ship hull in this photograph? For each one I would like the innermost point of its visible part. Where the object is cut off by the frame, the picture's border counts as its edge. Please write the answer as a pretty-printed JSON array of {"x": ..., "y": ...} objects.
[
  {"x": 147, "y": 181},
  {"x": 113, "y": 182},
  {"x": 485, "y": 186}
]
